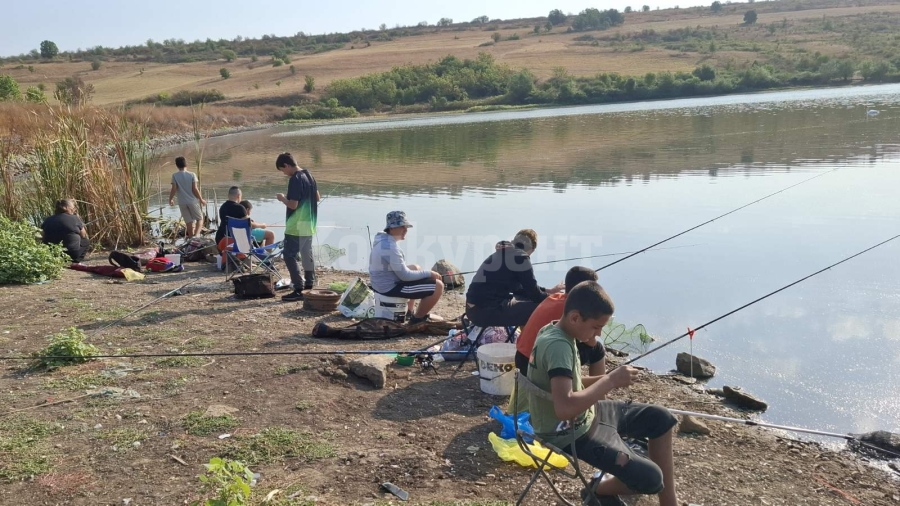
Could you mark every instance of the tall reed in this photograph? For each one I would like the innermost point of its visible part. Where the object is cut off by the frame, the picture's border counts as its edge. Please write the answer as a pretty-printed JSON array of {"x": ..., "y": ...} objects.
[{"x": 102, "y": 160}]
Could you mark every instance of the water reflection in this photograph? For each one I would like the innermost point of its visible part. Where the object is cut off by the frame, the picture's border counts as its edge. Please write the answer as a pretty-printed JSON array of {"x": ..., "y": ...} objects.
[{"x": 600, "y": 179}]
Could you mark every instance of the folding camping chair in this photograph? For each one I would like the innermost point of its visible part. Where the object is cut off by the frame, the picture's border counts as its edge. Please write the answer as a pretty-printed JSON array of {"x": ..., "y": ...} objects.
[
  {"x": 240, "y": 250},
  {"x": 541, "y": 462}
]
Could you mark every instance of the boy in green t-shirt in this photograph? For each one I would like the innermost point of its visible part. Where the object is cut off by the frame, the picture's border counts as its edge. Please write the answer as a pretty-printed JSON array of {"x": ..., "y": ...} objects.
[{"x": 599, "y": 424}]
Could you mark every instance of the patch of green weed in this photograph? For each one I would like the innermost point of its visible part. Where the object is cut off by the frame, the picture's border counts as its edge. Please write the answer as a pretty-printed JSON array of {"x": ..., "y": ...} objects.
[
  {"x": 284, "y": 370},
  {"x": 24, "y": 447},
  {"x": 180, "y": 362},
  {"x": 79, "y": 382},
  {"x": 196, "y": 424},
  {"x": 122, "y": 440},
  {"x": 276, "y": 444},
  {"x": 303, "y": 405}
]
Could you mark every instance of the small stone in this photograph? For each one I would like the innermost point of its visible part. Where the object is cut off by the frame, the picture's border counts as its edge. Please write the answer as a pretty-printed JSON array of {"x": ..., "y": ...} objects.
[
  {"x": 743, "y": 399},
  {"x": 694, "y": 366},
  {"x": 690, "y": 425},
  {"x": 136, "y": 444},
  {"x": 339, "y": 375},
  {"x": 98, "y": 426},
  {"x": 372, "y": 368}
]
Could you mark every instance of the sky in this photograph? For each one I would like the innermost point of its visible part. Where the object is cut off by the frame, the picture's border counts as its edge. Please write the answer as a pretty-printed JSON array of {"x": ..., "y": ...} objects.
[{"x": 85, "y": 24}]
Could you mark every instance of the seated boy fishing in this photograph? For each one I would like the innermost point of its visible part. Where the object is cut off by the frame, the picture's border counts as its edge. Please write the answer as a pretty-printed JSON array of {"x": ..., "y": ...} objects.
[{"x": 598, "y": 424}]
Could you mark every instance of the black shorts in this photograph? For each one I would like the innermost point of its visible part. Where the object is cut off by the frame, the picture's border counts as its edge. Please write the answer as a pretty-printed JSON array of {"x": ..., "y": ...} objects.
[
  {"x": 418, "y": 289},
  {"x": 602, "y": 443}
]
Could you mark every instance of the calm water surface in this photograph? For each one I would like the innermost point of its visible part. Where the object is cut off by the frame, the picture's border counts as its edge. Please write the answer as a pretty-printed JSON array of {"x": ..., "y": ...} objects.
[{"x": 614, "y": 178}]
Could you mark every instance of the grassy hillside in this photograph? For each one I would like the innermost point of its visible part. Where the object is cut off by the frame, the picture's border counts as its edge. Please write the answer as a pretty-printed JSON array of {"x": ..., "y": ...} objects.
[{"x": 673, "y": 40}]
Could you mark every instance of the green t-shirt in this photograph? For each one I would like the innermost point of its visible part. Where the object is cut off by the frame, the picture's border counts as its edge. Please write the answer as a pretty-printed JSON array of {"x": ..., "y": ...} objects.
[{"x": 555, "y": 353}]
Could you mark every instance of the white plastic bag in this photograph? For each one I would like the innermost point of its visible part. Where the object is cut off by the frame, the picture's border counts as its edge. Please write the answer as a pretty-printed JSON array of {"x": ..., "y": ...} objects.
[{"x": 357, "y": 301}]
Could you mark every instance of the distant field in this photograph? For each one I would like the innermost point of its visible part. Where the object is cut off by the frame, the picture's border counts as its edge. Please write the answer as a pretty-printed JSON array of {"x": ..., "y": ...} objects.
[{"x": 118, "y": 82}]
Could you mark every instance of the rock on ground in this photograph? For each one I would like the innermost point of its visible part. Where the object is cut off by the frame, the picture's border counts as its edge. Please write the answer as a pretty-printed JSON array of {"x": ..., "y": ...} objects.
[
  {"x": 451, "y": 273},
  {"x": 692, "y": 365},
  {"x": 743, "y": 399},
  {"x": 372, "y": 368}
]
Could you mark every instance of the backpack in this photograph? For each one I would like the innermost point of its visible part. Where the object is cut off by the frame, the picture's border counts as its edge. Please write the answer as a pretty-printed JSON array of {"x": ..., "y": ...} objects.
[
  {"x": 254, "y": 286},
  {"x": 160, "y": 264},
  {"x": 126, "y": 260},
  {"x": 197, "y": 249}
]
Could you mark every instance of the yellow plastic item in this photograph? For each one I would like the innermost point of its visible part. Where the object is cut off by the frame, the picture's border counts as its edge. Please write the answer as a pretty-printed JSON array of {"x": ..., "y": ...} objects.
[
  {"x": 132, "y": 275},
  {"x": 508, "y": 450}
]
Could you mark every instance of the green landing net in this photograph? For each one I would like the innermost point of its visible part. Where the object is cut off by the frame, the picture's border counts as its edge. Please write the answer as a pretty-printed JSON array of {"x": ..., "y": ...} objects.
[{"x": 619, "y": 337}]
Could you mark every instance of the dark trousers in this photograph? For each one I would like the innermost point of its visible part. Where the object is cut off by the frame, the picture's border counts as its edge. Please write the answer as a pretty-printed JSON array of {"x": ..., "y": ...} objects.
[
  {"x": 83, "y": 249},
  {"x": 510, "y": 313}
]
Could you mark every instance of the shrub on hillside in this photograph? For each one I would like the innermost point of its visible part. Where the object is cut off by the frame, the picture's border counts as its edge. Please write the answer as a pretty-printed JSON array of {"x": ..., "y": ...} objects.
[
  {"x": 24, "y": 259},
  {"x": 330, "y": 110},
  {"x": 184, "y": 97},
  {"x": 96, "y": 64},
  {"x": 9, "y": 89}
]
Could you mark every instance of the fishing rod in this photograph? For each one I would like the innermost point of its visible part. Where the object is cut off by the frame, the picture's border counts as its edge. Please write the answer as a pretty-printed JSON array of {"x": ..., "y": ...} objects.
[
  {"x": 154, "y": 301},
  {"x": 95, "y": 220},
  {"x": 690, "y": 332},
  {"x": 591, "y": 256},
  {"x": 714, "y": 219},
  {"x": 848, "y": 437},
  {"x": 243, "y": 354}
]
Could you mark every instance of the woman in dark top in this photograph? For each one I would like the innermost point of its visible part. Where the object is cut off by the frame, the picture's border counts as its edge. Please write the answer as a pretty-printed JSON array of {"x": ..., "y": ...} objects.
[
  {"x": 66, "y": 228},
  {"x": 504, "y": 292}
]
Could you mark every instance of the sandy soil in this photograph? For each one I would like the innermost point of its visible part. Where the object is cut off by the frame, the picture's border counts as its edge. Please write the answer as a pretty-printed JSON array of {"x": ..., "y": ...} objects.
[{"x": 426, "y": 431}]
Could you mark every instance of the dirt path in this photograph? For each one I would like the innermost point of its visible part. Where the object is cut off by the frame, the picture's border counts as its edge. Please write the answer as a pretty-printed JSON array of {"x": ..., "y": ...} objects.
[{"x": 313, "y": 431}]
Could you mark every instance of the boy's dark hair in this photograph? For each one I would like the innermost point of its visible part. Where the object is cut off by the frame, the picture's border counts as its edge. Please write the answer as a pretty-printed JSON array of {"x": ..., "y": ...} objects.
[
  {"x": 525, "y": 239},
  {"x": 61, "y": 205},
  {"x": 578, "y": 274},
  {"x": 590, "y": 300},
  {"x": 247, "y": 205},
  {"x": 180, "y": 162},
  {"x": 285, "y": 159}
]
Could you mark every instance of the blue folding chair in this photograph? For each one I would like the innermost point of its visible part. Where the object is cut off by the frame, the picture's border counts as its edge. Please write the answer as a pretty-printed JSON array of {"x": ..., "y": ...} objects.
[{"x": 241, "y": 252}]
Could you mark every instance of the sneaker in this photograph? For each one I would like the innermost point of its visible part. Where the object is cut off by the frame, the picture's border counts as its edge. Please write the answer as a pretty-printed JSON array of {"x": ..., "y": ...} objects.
[
  {"x": 412, "y": 320},
  {"x": 588, "y": 498},
  {"x": 292, "y": 297}
]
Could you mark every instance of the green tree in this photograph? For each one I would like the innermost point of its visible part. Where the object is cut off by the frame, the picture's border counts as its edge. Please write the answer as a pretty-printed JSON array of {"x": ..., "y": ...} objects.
[
  {"x": 96, "y": 64},
  {"x": 704, "y": 73},
  {"x": 480, "y": 20},
  {"x": 750, "y": 17},
  {"x": 874, "y": 71},
  {"x": 310, "y": 84},
  {"x": 521, "y": 85},
  {"x": 496, "y": 36},
  {"x": 35, "y": 95},
  {"x": 557, "y": 17},
  {"x": 49, "y": 49},
  {"x": 74, "y": 91},
  {"x": 225, "y": 73},
  {"x": 716, "y": 6},
  {"x": 229, "y": 55},
  {"x": 593, "y": 19},
  {"x": 645, "y": 8},
  {"x": 628, "y": 9},
  {"x": 445, "y": 22},
  {"x": 9, "y": 89}
]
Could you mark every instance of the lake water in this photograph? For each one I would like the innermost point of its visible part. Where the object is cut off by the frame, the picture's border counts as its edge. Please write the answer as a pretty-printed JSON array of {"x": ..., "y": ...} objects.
[{"x": 615, "y": 178}]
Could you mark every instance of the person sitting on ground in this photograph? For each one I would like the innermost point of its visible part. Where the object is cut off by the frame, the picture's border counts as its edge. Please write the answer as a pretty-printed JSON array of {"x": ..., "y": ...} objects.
[
  {"x": 231, "y": 208},
  {"x": 550, "y": 310},
  {"x": 262, "y": 236},
  {"x": 66, "y": 228},
  {"x": 392, "y": 277},
  {"x": 579, "y": 405},
  {"x": 503, "y": 292}
]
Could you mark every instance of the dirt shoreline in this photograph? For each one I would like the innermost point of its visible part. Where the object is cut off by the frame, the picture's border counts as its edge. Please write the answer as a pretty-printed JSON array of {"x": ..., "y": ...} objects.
[{"x": 426, "y": 432}]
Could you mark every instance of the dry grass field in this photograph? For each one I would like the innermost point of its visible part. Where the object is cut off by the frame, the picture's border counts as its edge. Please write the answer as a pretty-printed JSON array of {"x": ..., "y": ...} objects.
[{"x": 118, "y": 82}]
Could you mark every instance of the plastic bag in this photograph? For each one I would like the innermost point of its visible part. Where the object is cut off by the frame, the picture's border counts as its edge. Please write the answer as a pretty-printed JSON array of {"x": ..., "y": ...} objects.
[
  {"x": 508, "y": 450},
  {"x": 509, "y": 428},
  {"x": 456, "y": 342},
  {"x": 357, "y": 301}
]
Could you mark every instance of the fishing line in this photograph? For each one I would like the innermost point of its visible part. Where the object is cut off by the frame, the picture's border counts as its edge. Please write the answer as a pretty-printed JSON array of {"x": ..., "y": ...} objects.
[
  {"x": 848, "y": 437},
  {"x": 714, "y": 219},
  {"x": 785, "y": 287},
  {"x": 161, "y": 297},
  {"x": 243, "y": 354}
]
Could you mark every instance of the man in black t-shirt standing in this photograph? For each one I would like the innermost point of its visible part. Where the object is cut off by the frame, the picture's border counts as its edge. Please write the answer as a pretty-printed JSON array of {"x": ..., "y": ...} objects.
[
  {"x": 66, "y": 228},
  {"x": 231, "y": 208}
]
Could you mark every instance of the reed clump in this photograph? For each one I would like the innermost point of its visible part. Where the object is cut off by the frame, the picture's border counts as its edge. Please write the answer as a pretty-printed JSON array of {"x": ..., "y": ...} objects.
[{"x": 101, "y": 159}]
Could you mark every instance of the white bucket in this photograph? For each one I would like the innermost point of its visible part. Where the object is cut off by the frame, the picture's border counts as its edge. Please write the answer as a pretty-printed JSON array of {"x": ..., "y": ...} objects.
[
  {"x": 175, "y": 258},
  {"x": 496, "y": 368},
  {"x": 392, "y": 308}
]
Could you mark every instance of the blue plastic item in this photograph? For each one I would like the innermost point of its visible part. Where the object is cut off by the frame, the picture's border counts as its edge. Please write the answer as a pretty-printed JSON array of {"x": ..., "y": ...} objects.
[{"x": 509, "y": 428}]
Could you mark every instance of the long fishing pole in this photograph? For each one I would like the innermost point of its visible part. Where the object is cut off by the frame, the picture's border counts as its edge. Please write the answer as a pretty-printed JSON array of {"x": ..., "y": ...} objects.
[
  {"x": 785, "y": 287},
  {"x": 848, "y": 437},
  {"x": 154, "y": 301},
  {"x": 714, "y": 219},
  {"x": 590, "y": 256},
  {"x": 243, "y": 354}
]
